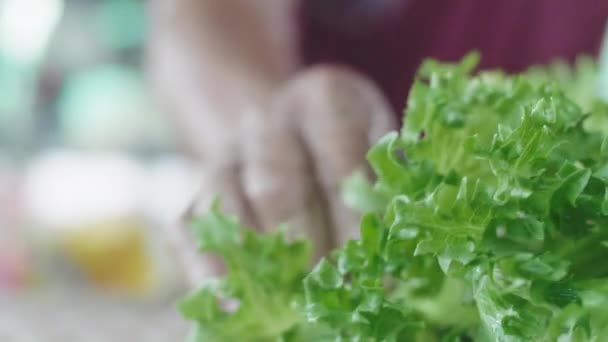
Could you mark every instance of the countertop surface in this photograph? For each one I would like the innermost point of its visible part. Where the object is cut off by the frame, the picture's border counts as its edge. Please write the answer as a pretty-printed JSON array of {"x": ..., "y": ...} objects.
[{"x": 81, "y": 317}]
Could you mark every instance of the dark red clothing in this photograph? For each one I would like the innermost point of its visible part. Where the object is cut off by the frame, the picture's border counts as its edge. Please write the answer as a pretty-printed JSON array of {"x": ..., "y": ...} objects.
[{"x": 387, "y": 39}]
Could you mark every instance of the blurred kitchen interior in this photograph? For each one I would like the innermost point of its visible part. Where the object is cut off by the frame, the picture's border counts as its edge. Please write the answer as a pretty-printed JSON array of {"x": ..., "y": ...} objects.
[{"x": 89, "y": 177}]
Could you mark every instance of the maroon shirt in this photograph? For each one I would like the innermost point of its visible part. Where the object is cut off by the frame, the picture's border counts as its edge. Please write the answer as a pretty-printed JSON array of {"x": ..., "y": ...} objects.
[{"x": 387, "y": 39}]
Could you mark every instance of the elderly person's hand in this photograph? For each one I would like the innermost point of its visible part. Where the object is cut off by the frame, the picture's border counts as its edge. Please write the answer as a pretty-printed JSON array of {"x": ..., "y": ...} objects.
[{"x": 273, "y": 141}]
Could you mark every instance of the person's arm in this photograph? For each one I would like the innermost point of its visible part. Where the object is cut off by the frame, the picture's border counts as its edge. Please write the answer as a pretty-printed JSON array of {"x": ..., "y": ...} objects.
[
  {"x": 273, "y": 143},
  {"x": 211, "y": 60}
]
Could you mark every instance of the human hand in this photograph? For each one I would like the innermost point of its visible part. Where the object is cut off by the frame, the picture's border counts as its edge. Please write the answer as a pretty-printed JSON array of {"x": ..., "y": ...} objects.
[
  {"x": 285, "y": 164},
  {"x": 274, "y": 143}
]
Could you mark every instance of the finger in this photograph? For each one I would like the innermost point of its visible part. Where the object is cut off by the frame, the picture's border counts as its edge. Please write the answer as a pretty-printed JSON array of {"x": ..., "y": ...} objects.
[
  {"x": 278, "y": 178},
  {"x": 344, "y": 112},
  {"x": 217, "y": 179},
  {"x": 223, "y": 180}
]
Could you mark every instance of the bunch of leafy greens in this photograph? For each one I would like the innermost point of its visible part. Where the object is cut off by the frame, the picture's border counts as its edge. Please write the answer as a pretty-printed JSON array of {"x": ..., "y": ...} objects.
[
  {"x": 488, "y": 221},
  {"x": 258, "y": 298}
]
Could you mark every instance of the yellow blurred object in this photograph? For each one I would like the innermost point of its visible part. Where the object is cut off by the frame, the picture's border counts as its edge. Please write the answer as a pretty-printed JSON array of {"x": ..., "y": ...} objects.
[{"x": 113, "y": 254}]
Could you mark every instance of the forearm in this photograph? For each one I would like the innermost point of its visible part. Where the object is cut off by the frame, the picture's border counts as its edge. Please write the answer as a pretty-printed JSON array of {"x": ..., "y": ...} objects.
[{"x": 214, "y": 59}]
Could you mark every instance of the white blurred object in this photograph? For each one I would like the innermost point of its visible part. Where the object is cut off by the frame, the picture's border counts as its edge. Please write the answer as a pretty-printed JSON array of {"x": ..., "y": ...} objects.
[
  {"x": 26, "y": 26},
  {"x": 92, "y": 205},
  {"x": 171, "y": 186},
  {"x": 64, "y": 188}
]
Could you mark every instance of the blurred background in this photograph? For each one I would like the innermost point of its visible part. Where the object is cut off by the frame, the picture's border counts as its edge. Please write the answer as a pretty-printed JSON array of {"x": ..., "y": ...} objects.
[{"x": 89, "y": 174}]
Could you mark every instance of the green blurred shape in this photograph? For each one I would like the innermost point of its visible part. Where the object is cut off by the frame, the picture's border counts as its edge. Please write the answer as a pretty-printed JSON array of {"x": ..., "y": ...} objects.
[
  {"x": 603, "y": 69},
  {"x": 109, "y": 107},
  {"x": 13, "y": 90},
  {"x": 16, "y": 91},
  {"x": 121, "y": 23}
]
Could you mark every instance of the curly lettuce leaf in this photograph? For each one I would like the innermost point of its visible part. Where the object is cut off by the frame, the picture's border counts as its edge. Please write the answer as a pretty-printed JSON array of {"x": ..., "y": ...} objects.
[
  {"x": 487, "y": 221},
  {"x": 256, "y": 299},
  {"x": 495, "y": 218}
]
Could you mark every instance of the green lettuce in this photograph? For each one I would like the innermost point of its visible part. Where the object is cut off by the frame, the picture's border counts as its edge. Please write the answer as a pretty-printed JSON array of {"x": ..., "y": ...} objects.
[
  {"x": 495, "y": 224},
  {"x": 258, "y": 297},
  {"x": 487, "y": 221}
]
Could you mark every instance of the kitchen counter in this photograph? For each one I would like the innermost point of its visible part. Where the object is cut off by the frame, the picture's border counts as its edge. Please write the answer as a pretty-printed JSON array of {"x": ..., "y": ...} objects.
[{"x": 86, "y": 318}]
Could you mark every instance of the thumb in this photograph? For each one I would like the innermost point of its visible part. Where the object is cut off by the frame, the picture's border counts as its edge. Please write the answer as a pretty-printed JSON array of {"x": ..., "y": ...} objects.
[{"x": 217, "y": 179}]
